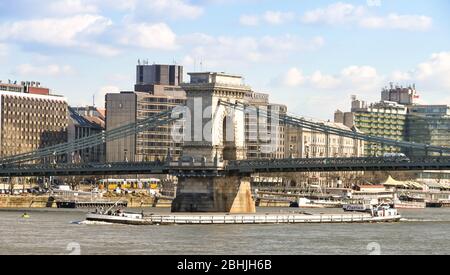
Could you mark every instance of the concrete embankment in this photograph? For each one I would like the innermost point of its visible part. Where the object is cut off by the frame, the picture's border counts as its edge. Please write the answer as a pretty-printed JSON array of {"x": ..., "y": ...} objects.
[
  {"x": 49, "y": 202},
  {"x": 26, "y": 202}
]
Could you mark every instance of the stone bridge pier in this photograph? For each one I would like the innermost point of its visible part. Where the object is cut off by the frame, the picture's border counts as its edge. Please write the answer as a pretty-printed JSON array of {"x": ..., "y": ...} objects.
[
  {"x": 214, "y": 194},
  {"x": 214, "y": 134}
]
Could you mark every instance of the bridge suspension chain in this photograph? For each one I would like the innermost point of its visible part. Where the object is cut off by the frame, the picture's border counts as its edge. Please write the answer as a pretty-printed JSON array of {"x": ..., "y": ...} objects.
[
  {"x": 321, "y": 127},
  {"x": 156, "y": 120}
]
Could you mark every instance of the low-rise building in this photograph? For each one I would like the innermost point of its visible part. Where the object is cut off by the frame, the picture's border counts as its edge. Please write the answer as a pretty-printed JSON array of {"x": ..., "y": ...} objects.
[
  {"x": 83, "y": 125},
  {"x": 306, "y": 143}
]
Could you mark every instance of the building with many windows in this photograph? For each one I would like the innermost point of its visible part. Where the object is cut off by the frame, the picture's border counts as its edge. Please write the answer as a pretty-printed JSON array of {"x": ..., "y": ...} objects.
[
  {"x": 152, "y": 97},
  {"x": 264, "y": 135},
  {"x": 306, "y": 143},
  {"x": 428, "y": 124},
  {"x": 383, "y": 119},
  {"x": 30, "y": 118}
]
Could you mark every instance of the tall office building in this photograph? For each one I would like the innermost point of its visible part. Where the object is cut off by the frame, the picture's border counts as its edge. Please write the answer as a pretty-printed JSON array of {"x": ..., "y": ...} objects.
[
  {"x": 30, "y": 118},
  {"x": 264, "y": 139},
  {"x": 157, "y": 90},
  {"x": 147, "y": 76}
]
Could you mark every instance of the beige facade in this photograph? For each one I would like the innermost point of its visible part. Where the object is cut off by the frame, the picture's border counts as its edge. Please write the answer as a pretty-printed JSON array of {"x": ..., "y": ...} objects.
[
  {"x": 305, "y": 143},
  {"x": 130, "y": 107},
  {"x": 264, "y": 139},
  {"x": 31, "y": 121},
  {"x": 215, "y": 131},
  {"x": 383, "y": 119}
]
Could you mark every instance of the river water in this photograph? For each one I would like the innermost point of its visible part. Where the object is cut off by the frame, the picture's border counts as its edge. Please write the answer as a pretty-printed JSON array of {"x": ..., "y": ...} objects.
[{"x": 58, "y": 232}]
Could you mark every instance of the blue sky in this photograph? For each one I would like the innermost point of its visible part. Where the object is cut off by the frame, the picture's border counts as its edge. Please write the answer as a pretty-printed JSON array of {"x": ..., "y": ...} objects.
[{"x": 309, "y": 55}]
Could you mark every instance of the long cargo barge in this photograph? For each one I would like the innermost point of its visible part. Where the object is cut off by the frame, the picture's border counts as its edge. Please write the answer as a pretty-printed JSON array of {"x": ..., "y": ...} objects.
[{"x": 210, "y": 219}]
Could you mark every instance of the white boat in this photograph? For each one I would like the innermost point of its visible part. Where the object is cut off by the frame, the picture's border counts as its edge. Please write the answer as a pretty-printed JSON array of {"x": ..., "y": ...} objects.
[
  {"x": 119, "y": 218},
  {"x": 381, "y": 212},
  {"x": 408, "y": 202}
]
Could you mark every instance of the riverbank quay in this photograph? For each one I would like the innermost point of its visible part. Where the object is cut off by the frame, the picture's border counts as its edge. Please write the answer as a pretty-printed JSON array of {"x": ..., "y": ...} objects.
[{"x": 49, "y": 201}]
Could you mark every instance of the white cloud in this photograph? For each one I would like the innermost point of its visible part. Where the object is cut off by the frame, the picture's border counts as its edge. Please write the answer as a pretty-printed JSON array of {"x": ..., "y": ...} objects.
[
  {"x": 344, "y": 13},
  {"x": 45, "y": 70},
  {"x": 278, "y": 17},
  {"x": 323, "y": 81},
  {"x": 314, "y": 93},
  {"x": 64, "y": 7},
  {"x": 249, "y": 20},
  {"x": 432, "y": 74},
  {"x": 227, "y": 50},
  {"x": 337, "y": 13},
  {"x": 294, "y": 77},
  {"x": 269, "y": 17},
  {"x": 395, "y": 21},
  {"x": 356, "y": 78},
  {"x": 77, "y": 32},
  {"x": 149, "y": 36},
  {"x": 175, "y": 9}
]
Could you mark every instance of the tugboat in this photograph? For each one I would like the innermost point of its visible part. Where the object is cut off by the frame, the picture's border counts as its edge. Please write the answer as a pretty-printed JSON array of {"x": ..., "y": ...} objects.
[
  {"x": 379, "y": 212},
  {"x": 118, "y": 217}
]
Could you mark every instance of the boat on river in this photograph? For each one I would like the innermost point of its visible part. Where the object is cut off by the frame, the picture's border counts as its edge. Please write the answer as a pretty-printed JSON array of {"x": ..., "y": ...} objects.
[
  {"x": 409, "y": 202},
  {"x": 119, "y": 218},
  {"x": 381, "y": 212}
]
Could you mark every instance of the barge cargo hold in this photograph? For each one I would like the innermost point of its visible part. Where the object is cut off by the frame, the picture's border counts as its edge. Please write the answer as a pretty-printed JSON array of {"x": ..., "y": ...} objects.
[{"x": 205, "y": 219}]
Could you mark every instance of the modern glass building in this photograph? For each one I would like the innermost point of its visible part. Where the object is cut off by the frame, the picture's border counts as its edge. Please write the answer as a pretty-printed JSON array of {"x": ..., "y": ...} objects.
[{"x": 429, "y": 124}]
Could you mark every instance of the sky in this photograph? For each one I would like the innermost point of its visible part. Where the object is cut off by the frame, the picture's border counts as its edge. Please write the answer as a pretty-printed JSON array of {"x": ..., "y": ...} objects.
[{"x": 310, "y": 55}]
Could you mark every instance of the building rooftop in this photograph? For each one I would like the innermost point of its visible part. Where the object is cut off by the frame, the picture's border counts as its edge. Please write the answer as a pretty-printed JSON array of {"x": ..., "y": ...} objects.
[
  {"x": 215, "y": 77},
  {"x": 85, "y": 121}
]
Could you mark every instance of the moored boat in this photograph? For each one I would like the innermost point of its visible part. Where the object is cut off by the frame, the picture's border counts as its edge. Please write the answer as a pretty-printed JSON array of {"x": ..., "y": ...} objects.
[
  {"x": 307, "y": 203},
  {"x": 409, "y": 202}
]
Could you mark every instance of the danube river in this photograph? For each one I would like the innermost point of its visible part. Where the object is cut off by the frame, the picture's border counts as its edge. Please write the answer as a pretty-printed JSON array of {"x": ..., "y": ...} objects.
[{"x": 60, "y": 232}]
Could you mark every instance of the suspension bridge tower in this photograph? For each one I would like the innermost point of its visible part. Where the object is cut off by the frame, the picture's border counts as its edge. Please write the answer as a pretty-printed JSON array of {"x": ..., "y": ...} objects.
[{"x": 214, "y": 134}]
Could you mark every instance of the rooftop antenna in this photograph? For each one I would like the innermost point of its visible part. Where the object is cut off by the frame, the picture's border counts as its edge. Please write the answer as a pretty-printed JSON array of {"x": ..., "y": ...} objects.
[{"x": 93, "y": 100}]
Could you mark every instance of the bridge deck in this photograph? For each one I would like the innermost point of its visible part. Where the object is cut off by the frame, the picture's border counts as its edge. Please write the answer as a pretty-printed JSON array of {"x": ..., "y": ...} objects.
[{"x": 243, "y": 168}]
